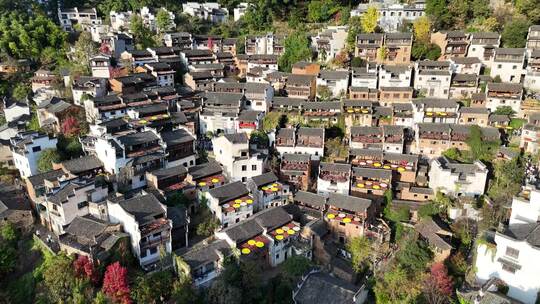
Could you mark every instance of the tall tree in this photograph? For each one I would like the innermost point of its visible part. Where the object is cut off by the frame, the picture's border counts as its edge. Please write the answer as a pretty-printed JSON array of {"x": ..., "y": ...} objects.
[
  {"x": 59, "y": 279},
  {"x": 115, "y": 283},
  {"x": 369, "y": 19},
  {"x": 438, "y": 285},
  {"x": 396, "y": 287},
  {"x": 515, "y": 32},
  {"x": 142, "y": 35},
  {"x": 360, "y": 250},
  {"x": 296, "y": 49},
  {"x": 437, "y": 11},
  {"x": 422, "y": 29},
  {"x": 84, "y": 49},
  {"x": 163, "y": 21}
]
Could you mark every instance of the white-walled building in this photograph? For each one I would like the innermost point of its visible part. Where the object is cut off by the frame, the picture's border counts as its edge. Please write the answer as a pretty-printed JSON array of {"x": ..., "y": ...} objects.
[
  {"x": 511, "y": 253},
  {"x": 77, "y": 197},
  {"x": 334, "y": 178},
  {"x": 433, "y": 78},
  {"x": 301, "y": 141},
  {"x": 365, "y": 77},
  {"x": 329, "y": 42},
  {"x": 230, "y": 203},
  {"x": 465, "y": 65},
  {"x": 69, "y": 17},
  {"x": 399, "y": 76},
  {"x": 14, "y": 109},
  {"x": 336, "y": 81},
  {"x": 144, "y": 218},
  {"x": 457, "y": 179},
  {"x": 508, "y": 64},
  {"x": 504, "y": 94},
  {"x": 269, "y": 44},
  {"x": 239, "y": 162},
  {"x": 532, "y": 74},
  {"x": 240, "y": 10},
  {"x": 27, "y": 147},
  {"x": 268, "y": 191},
  {"x": 210, "y": 11},
  {"x": 392, "y": 14},
  {"x": 101, "y": 66},
  {"x": 88, "y": 86},
  {"x": 163, "y": 73},
  {"x": 256, "y": 238},
  {"x": 220, "y": 112},
  {"x": 482, "y": 46}
]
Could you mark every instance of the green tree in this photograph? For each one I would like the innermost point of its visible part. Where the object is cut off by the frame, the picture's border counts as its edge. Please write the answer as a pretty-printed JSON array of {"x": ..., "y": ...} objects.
[
  {"x": 271, "y": 121},
  {"x": 437, "y": 11},
  {"x": 296, "y": 266},
  {"x": 106, "y": 6},
  {"x": 178, "y": 199},
  {"x": 427, "y": 210},
  {"x": 84, "y": 49},
  {"x": 46, "y": 158},
  {"x": 360, "y": 250},
  {"x": 21, "y": 91},
  {"x": 507, "y": 178},
  {"x": 369, "y": 20},
  {"x": 163, "y": 20},
  {"x": 355, "y": 28},
  {"x": 8, "y": 258},
  {"x": 504, "y": 110},
  {"x": 414, "y": 257},
  {"x": 422, "y": 51},
  {"x": 59, "y": 279},
  {"x": 514, "y": 34},
  {"x": 459, "y": 10},
  {"x": 258, "y": 16},
  {"x": 396, "y": 287},
  {"x": 452, "y": 153},
  {"x": 322, "y": 10},
  {"x": 141, "y": 34},
  {"x": 481, "y": 148},
  {"x": 150, "y": 288},
  {"x": 296, "y": 49},
  {"x": 529, "y": 8},
  {"x": 9, "y": 233}
]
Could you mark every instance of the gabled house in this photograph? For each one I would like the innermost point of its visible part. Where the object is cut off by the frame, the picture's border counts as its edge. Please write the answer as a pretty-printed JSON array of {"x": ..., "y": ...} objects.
[
  {"x": 458, "y": 179},
  {"x": 336, "y": 81},
  {"x": 230, "y": 203},
  {"x": 145, "y": 219},
  {"x": 301, "y": 141},
  {"x": 508, "y": 64},
  {"x": 365, "y": 77},
  {"x": 295, "y": 170},
  {"x": 268, "y": 191},
  {"x": 239, "y": 161},
  {"x": 395, "y": 75},
  {"x": 433, "y": 78},
  {"x": 504, "y": 95},
  {"x": 483, "y": 45},
  {"x": 334, "y": 178},
  {"x": 368, "y": 45},
  {"x": 348, "y": 217},
  {"x": 398, "y": 48},
  {"x": 26, "y": 148},
  {"x": 452, "y": 43}
]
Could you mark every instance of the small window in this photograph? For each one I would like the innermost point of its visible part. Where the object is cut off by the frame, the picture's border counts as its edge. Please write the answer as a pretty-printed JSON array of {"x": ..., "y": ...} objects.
[
  {"x": 36, "y": 149},
  {"x": 512, "y": 252},
  {"x": 153, "y": 250},
  {"x": 82, "y": 205},
  {"x": 254, "y": 167},
  {"x": 508, "y": 268},
  {"x": 244, "y": 167}
]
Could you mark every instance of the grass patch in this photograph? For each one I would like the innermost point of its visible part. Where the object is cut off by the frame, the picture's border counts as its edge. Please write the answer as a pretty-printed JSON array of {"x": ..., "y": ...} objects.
[{"x": 516, "y": 123}]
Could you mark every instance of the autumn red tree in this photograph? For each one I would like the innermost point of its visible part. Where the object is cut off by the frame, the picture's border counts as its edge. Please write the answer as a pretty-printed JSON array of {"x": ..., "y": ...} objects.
[
  {"x": 438, "y": 286},
  {"x": 84, "y": 268},
  {"x": 115, "y": 283},
  {"x": 70, "y": 126}
]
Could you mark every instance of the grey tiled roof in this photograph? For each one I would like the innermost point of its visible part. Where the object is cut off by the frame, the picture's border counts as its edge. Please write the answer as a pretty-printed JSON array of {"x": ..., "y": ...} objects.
[
  {"x": 229, "y": 191},
  {"x": 309, "y": 198},
  {"x": 349, "y": 203},
  {"x": 264, "y": 179}
]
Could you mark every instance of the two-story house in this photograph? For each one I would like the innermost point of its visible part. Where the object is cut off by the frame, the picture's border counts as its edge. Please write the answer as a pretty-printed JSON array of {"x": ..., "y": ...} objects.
[
  {"x": 508, "y": 64},
  {"x": 334, "y": 178},
  {"x": 230, "y": 203},
  {"x": 457, "y": 179},
  {"x": 239, "y": 161}
]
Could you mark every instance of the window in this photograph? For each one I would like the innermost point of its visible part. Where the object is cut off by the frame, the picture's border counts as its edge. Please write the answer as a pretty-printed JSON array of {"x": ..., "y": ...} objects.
[
  {"x": 153, "y": 250},
  {"x": 36, "y": 149},
  {"x": 141, "y": 178},
  {"x": 512, "y": 252},
  {"x": 244, "y": 167},
  {"x": 508, "y": 268},
  {"x": 82, "y": 205},
  {"x": 143, "y": 254},
  {"x": 156, "y": 234},
  {"x": 277, "y": 256},
  {"x": 254, "y": 167}
]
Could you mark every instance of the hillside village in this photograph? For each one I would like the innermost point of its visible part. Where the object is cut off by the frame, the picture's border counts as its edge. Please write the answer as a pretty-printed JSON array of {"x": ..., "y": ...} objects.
[{"x": 285, "y": 152}]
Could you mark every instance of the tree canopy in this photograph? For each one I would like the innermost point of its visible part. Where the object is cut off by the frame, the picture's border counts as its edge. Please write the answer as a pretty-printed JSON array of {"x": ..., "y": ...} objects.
[
  {"x": 46, "y": 158},
  {"x": 296, "y": 49}
]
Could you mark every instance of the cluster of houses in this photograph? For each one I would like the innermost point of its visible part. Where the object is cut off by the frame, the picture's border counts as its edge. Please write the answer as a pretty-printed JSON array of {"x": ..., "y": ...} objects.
[{"x": 155, "y": 113}]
